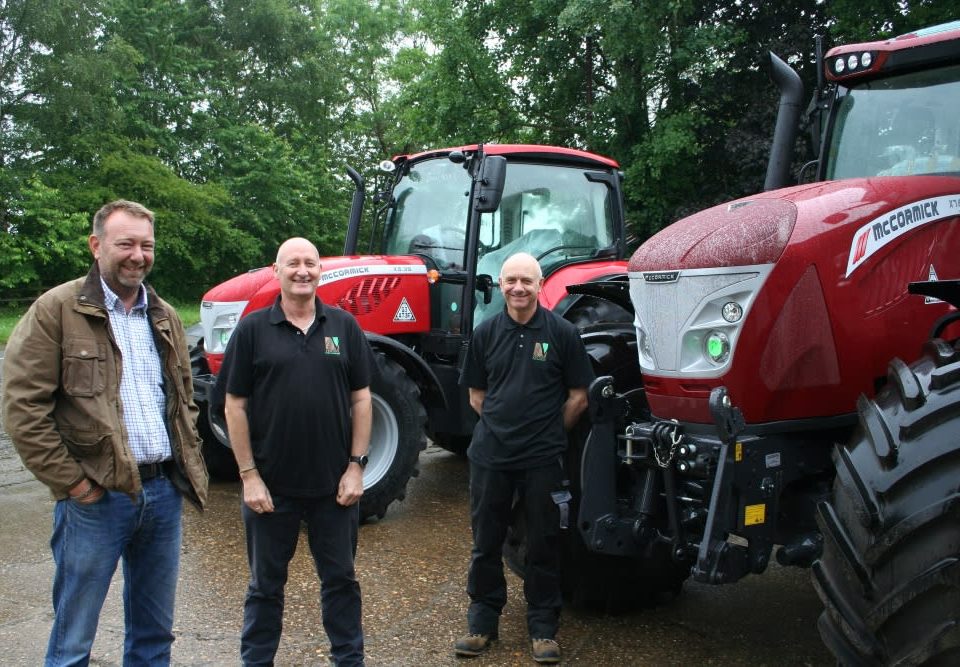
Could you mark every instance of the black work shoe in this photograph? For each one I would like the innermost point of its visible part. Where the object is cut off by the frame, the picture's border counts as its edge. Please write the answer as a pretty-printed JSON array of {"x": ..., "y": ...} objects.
[
  {"x": 546, "y": 651},
  {"x": 473, "y": 645}
]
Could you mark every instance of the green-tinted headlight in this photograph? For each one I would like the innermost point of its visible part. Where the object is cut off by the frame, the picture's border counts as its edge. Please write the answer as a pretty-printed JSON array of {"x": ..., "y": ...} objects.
[{"x": 718, "y": 347}]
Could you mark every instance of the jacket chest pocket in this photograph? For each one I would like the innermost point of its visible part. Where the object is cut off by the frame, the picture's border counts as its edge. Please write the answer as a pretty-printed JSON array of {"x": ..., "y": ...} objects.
[{"x": 84, "y": 367}]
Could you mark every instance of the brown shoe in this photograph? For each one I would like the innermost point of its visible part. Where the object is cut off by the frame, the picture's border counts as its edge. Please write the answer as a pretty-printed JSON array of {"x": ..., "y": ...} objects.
[
  {"x": 472, "y": 645},
  {"x": 546, "y": 651}
]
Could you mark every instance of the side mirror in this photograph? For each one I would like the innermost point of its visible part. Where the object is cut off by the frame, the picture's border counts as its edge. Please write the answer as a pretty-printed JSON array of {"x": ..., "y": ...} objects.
[
  {"x": 490, "y": 181},
  {"x": 485, "y": 286}
]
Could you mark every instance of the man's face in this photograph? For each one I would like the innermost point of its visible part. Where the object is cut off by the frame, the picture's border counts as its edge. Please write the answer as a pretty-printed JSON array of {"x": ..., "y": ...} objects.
[
  {"x": 520, "y": 283},
  {"x": 298, "y": 269},
  {"x": 124, "y": 252}
]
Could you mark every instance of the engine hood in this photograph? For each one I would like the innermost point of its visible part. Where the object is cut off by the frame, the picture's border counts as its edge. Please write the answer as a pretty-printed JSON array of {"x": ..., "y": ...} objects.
[
  {"x": 334, "y": 269},
  {"x": 756, "y": 230}
]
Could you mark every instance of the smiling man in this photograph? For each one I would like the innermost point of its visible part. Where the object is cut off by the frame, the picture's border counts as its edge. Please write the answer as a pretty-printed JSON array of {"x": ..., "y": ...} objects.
[
  {"x": 298, "y": 408},
  {"x": 527, "y": 374},
  {"x": 98, "y": 401}
]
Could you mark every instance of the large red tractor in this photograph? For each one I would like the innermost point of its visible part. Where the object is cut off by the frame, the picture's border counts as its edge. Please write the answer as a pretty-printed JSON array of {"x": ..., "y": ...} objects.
[
  {"x": 446, "y": 221},
  {"x": 777, "y": 406}
]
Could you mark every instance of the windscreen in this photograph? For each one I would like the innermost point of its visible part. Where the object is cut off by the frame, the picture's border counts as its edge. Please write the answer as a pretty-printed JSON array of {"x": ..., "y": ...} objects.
[
  {"x": 429, "y": 214},
  {"x": 898, "y": 126},
  {"x": 554, "y": 212}
]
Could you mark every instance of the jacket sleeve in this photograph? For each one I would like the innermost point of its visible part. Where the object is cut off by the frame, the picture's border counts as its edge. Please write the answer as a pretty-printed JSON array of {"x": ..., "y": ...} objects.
[{"x": 31, "y": 375}]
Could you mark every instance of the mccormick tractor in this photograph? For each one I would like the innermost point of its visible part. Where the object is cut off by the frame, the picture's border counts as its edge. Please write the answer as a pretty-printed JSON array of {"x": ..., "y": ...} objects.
[
  {"x": 800, "y": 372},
  {"x": 446, "y": 222}
]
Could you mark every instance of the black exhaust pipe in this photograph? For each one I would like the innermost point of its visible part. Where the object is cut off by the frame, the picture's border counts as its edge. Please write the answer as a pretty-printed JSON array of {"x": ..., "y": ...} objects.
[
  {"x": 788, "y": 123},
  {"x": 356, "y": 210}
]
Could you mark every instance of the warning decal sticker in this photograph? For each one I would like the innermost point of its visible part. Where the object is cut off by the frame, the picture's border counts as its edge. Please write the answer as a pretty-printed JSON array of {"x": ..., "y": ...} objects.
[
  {"x": 754, "y": 515},
  {"x": 404, "y": 312}
]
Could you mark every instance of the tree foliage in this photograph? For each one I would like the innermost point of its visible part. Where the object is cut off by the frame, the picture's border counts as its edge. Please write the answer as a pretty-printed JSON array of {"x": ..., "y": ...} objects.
[{"x": 234, "y": 119}]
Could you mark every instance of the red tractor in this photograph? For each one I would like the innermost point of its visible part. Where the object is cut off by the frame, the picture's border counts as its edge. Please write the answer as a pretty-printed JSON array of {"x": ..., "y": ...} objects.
[
  {"x": 777, "y": 406},
  {"x": 447, "y": 220}
]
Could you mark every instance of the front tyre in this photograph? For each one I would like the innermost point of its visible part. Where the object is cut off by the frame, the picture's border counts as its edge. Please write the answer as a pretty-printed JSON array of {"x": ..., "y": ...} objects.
[
  {"x": 889, "y": 576},
  {"x": 396, "y": 438},
  {"x": 218, "y": 456}
]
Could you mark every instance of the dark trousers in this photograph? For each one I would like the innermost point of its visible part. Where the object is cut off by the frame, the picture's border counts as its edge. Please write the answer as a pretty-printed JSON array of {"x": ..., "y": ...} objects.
[
  {"x": 491, "y": 498},
  {"x": 271, "y": 543}
]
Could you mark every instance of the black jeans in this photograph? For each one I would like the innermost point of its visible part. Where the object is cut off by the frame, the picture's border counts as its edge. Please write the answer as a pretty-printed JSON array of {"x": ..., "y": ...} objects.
[
  {"x": 491, "y": 498},
  {"x": 271, "y": 543}
]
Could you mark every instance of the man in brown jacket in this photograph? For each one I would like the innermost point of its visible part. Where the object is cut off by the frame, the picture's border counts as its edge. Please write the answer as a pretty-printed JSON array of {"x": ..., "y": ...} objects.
[{"x": 98, "y": 401}]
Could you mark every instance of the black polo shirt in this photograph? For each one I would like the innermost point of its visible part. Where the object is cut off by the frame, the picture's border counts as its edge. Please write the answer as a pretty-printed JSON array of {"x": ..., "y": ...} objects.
[
  {"x": 298, "y": 394},
  {"x": 526, "y": 371}
]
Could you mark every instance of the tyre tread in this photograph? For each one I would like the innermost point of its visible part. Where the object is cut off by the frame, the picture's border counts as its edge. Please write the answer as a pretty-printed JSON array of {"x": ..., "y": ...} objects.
[{"x": 889, "y": 576}]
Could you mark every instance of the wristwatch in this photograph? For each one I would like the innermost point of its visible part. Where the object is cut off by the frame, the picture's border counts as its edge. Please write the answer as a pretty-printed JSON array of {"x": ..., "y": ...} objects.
[{"x": 360, "y": 460}]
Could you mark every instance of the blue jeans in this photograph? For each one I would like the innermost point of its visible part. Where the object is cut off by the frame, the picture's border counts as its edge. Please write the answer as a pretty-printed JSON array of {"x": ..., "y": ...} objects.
[
  {"x": 87, "y": 543},
  {"x": 271, "y": 542}
]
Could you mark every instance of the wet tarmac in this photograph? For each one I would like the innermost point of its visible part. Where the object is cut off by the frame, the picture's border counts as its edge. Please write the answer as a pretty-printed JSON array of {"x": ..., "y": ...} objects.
[{"x": 412, "y": 569}]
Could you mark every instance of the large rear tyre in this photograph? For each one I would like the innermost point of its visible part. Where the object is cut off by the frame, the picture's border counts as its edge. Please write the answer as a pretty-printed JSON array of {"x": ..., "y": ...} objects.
[
  {"x": 396, "y": 439},
  {"x": 889, "y": 576}
]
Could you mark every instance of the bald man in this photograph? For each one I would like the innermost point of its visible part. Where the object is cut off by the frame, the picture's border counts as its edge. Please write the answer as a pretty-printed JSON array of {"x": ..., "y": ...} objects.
[
  {"x": 298, "y": 409},
  {"x": 527, "y": 374}
]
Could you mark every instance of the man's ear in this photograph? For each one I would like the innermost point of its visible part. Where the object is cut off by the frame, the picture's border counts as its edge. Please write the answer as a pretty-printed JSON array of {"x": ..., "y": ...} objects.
[{"x": 94, "y": 244}]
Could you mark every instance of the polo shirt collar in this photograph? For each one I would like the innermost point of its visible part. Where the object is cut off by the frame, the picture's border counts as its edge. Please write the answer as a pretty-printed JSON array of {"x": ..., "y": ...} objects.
[
  {"x": 277, "y": 316},
  {"x": 536, "y": 322},
  {"x": 110, "y": 298}
]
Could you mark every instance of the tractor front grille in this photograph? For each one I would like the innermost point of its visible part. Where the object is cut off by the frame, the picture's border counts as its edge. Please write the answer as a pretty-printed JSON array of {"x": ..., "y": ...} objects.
[{"x": 367, "y": 295}]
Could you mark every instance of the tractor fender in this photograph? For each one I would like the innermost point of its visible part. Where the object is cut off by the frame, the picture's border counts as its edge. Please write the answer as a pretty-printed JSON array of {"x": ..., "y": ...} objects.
[
  {"x": 413, "y": 364},
  {"x": 613, "y": 289}
]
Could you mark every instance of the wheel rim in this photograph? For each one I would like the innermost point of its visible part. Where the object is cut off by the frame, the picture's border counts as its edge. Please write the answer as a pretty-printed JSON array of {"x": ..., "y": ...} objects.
[{"x": 384, "y": 436}]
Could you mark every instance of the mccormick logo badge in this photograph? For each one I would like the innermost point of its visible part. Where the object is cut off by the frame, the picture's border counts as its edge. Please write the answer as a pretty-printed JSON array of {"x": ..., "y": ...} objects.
[
  {"x": 331, "y": 344},
  {"x": 870, "y": 238},
  {"x": 540, "y": 351},
  {"x": 661, "y": 276}
]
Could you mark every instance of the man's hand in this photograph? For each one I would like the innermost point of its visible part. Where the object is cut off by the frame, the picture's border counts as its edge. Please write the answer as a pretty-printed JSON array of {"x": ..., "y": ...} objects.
[
  {"x": 256, "y": 496},
  {"x": 86, "y": 492},
  {"x": 351, "y": 485}
]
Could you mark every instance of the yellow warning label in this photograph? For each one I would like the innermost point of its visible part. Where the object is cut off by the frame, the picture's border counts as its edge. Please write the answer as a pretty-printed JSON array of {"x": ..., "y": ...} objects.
[
  {"x": 754, "y": 514},
  {"x": 738, "y": 452}
]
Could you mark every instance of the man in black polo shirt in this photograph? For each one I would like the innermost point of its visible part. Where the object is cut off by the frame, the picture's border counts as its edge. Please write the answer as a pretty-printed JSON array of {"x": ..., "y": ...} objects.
[
  {"x": 527, "y": 372},
  {"x": 299, "y": 413}
]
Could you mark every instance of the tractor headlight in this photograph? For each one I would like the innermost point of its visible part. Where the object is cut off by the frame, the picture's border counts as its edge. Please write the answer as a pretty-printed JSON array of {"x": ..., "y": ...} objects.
[
  {"x": 223, "y": 329},
  {"x": 717, "y": 347},
  {"x": 219, "y": 320},
  {"x": 732, "y": 312}
]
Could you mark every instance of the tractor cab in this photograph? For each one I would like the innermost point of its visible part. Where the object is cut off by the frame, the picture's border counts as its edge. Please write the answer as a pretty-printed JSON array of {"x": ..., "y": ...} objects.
[
  {"x": 901, "y": 125},
  {"x": 561, "y": 206}
]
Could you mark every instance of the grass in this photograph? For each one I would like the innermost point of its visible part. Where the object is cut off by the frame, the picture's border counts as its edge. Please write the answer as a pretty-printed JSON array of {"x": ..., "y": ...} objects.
[{"x": 189, "y": 312}]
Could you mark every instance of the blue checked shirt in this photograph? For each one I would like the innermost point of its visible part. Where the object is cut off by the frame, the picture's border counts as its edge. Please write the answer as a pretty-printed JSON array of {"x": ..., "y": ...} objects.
[{"x": 141, "y": 378}]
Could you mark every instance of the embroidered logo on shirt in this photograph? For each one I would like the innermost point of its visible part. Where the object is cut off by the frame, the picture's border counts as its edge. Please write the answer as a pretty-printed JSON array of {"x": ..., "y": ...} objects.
[
  {"x": 331, "y": 344},
  {"x": 540, "y": 351}
]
